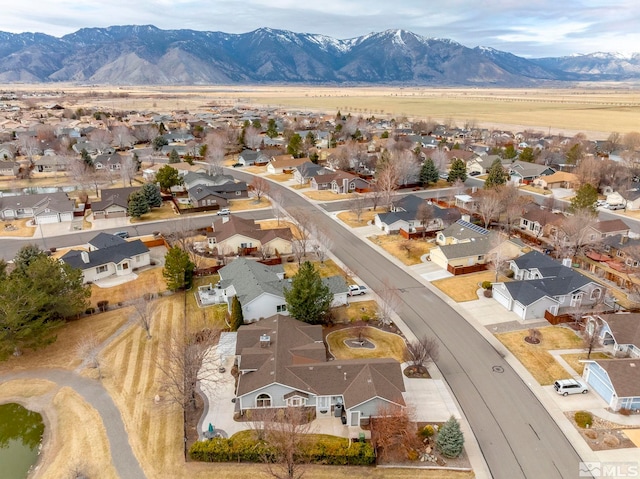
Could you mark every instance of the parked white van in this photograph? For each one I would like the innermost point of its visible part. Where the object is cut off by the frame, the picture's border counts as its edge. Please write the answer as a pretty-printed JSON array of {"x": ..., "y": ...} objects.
[{"x": 570, "y": 386}]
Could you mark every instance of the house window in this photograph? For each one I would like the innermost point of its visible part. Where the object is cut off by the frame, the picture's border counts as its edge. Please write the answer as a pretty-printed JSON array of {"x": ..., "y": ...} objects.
[
  {"x": 620, "y": 254},
  {"x": 480, "y": 258},
  {"x": 295, "y": 401},
  {"x": 125, "y": 266},
  {"x": 101, "y": 269},
  {"x": 212, "y": 240},
  {"x": 263, "y": 400},
  {"x": 595, "y": 294},
  {"x": 281, "y": 308},
  {"x": 238, "y": 193},
  {"x": 525, "y": 222}
]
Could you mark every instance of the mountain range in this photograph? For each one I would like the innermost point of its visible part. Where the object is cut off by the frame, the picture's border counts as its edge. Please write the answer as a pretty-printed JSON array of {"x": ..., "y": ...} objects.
[{"x": 137, "y": 55}]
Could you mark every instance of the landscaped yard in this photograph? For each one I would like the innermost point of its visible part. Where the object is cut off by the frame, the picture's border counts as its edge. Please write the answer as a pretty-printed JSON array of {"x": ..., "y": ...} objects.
[
  {"x": 394, "y": 245},
  {"x": 280, "y": 178},
  {"x": 148, "y": 281},
  {"x": 464, "y": 287},
  {"x": 535, "y": 357},
  {"x": 326, "y": 269},
  {"x": 17, "y": 229},
  {"x": 249, "y": 204},
  {"x": 355, "y": 311},
  {"x": 325, "y": 195},
  {"x": 164, "y": 212},
  {"x": 387, "y": 345}
]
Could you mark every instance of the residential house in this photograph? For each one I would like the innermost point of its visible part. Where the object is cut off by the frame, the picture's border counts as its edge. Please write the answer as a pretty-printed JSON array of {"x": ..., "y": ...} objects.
[
  {"x": 149, "y": 173},
  {"x": 7, "y": 152},
  {"x": 523, "y": 172},
  {"x": 109, "y": 162},
  {"x": 607, "y": 228},
  {"x": 559, "y": 179},
  {"x": 619, "y": 333},
  {"x": 306, "y": 171},
  {"x": 631, "y": 199},
  {"x": 405, "y": 217},
  {"x": 233, "y": 234},
  {"x": 114, "y": 203},
  {"x": 9, "y": 168},
  {"x": 479, "y": 165},
  {"x": 539, "y": 222},
  {"x": 284, "y": 164},
  {"x": 339, "y": 182},
  {"x": 252, "y": 158},
  {"x": 206, "y": 196},
  {"x": 283, "y": 363},
  {"x": 543, "y": 287},
  {"x": 52, "y": 163},
  {"x": 615, "y": 197},
  {"x": 614, "y": 259},
  {"x": 108, "y": 255},
  {"x": 41, "y": 208},
  {"x": 462, "y": 231},
  {"x": 617, "y": 381}
]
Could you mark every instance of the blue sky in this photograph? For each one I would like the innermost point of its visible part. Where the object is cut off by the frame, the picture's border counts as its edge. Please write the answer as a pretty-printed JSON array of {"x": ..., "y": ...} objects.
[{"x": 536, "y": 28}]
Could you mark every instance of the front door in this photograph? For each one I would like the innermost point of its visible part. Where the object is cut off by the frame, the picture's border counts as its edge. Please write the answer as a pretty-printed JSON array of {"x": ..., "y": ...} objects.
[
  {"x": 323, "y": 404},
  {"x": 355, "y": 418}
]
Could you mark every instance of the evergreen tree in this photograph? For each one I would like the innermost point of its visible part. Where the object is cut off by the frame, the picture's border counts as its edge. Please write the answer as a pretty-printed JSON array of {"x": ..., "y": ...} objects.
[
  {"x": 450, "y": 440},
  {"x": 385, "y": 134},
  {"x": 585, "y": 199},
  {"x": 428, "y": 173},
  {"x": 158, "y": 142},
  {"x": 256, "y": 124},
  {"x": 497, "y": 175},
  {"x": 137, "y": 204},
  {"x": 295, "y": 145},
  {"x": 237, "y": 318},
  {"x": 308, "y": 299},
  {"x": 168, "y": 176},
  {"x": 174, "y": 157},
  {"x": 458, "y": 171},
  {"x": 509, "y": 152},
  {"x": 136, "y": 161},
  {"x": 527, "y": 154},
  {"x": 27, "y": 255},
  {"x": 152, "y": 194},
  {"x": 272, "y": 130},
  {"x": 88, "y": 161},
  {"x": 178, "y": 269}
]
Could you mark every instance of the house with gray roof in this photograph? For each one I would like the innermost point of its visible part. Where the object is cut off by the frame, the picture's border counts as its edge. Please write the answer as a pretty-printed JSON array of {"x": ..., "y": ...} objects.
[
  {"x": 619, "y": 333},
  {"x": 306, "y": 171},
  {"x": 108, "y": 255},
  {"x": 251, "y": 158},
  {"x": 260, "y": 288},
  {"x": 114, "y": 203},
  {"x": 42, "y": 208},
  {"x": 405, "y": 216},
  {"x": 542, "y": 284},
  {"x": 283, "y": 363},
  {"x": 617, "y": 381},
  {"x": 233, "y": 234},
  {"x": 525, "y": 172}
]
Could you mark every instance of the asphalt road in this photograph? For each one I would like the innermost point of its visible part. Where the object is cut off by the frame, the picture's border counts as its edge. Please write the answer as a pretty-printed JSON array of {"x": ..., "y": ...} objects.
[{"x": 517, "y": 436}]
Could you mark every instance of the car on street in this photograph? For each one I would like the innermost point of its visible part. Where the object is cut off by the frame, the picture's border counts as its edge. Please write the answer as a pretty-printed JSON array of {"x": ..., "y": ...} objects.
[
  {"x": 224, "y": 212},
  {"x": 357, "y": 290},
  {"x": 570, "y": 386},
  {"x": 122, "y": 234},
  {"x": 619, "y": 206}
]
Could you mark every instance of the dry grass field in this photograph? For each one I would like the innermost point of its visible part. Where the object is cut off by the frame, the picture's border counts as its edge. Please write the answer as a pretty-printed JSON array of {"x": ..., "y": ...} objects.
[
  {"x": 355, "y": 311},
  {"x": 535, "y": 357},
  {"x": 393, "y": 244},
  {"x": 574, "y": 360},
  {"x": 593, "y": 109},
  {"x": 351, "y": 219},
  {"x": 465, "y": 286},
  {"x": 326, "y": 269}
]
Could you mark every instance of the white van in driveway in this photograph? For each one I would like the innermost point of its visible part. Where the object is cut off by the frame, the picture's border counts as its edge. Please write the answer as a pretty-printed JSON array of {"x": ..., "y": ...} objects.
[{"x": 570, "y": 386}]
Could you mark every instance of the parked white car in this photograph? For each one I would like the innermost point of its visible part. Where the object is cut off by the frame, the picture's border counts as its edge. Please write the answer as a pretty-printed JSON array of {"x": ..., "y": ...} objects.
[
  {"x": 357, "y": 290},
  {"x": 570, "y": 386},
  {"x": 224, "y": 212}
]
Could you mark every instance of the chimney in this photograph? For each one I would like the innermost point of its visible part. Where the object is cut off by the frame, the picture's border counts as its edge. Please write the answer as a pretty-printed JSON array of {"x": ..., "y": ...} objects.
[
  {"x": 85, "y": 256},
  {"x": 466, "y": 218},
  {"x": 225, "y": 219},
  {"x": 345, "y": 376},
  {"x": 265, "y": 341}
]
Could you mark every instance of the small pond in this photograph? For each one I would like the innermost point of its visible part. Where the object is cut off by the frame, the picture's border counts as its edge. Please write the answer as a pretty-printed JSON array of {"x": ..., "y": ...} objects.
[{"x": 20, "y": 437}]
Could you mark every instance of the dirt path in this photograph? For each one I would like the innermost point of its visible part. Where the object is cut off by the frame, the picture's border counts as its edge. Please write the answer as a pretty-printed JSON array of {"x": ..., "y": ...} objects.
[{"x": 94, "y": 393}]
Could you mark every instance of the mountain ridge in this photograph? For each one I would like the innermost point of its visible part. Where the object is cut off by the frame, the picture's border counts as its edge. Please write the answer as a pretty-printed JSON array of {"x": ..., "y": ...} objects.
[{"x": 145, "y": 54}]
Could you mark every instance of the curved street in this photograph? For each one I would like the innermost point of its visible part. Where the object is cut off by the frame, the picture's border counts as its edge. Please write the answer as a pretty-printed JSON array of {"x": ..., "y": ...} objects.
[{"x": 517, "y": 436}]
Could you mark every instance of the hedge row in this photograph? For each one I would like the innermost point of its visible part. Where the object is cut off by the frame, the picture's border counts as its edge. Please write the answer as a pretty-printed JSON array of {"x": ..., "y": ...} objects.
[{"x": 330, "y": 451}]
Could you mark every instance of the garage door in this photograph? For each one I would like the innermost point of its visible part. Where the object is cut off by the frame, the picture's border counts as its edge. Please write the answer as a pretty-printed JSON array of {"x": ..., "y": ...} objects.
[
  {"x": 519, "y": 310},
  {"x": 596, "y": 379},
  {"x": 66, "y": 216},
  {"x": 501, "y": 299},
  {"x": 47, "y": 219},
  {"x": 116, "y": 214}
]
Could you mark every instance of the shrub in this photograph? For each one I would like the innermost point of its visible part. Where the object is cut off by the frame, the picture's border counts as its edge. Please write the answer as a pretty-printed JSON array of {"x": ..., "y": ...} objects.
[
  {"x": 103, "y": 305},
  {"x": 427, "y": 431},
  {"x": 509, "y": 273},
  {"x": 412, "y": 455},
  {"x": 450, "y": 440},
  {"x": 487, "y": 293},
  {"x": 611, "y": 441},
  {"x": 583, "y": 419},
  {"x": 90, "y": 310},
  {"x": 625, "y": 411},
  {"x": 591, "y": 434},
  {"x": 487, "y": 285}
]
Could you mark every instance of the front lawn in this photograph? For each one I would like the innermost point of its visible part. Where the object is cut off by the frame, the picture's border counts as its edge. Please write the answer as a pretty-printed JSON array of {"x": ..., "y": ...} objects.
[
  {"x": 407, "y": 251},
  {"x": 351, "y": 219},
  {"x": 535, "y": 357},
  {"x": 464, "y": 287},
  {"x": 387, "y": 345},
  {"x": 325, "y": 195},
  {"x": 356, "y": 311},
  {"x": 326, "y": 269},
  {"x": 574, "y": 360}
]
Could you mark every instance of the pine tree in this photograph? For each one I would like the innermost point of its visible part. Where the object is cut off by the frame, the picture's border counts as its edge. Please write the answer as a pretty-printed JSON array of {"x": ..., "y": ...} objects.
[
  {"x": 152, "y": 194},
  {"x": 84, "y": 154},
  {"x": 295, "y": 145},
  {"x": 458, "y": 171},
  {"x": 450, "y": 440},
  {"x": 308, "y": 299},
  {"x": 174, "y": 157},
  {"x": 272, "y": 130},
  {"x": 168, "y": 176},
  {"x": 178, "y": 269},
  {"x": 497, "y": 175},
  {"x": 237, "y": 318},
  {"x": 428, "y": 173},
  {"x": 585, "y": 199},
  {"x": 137, "y": 204}
]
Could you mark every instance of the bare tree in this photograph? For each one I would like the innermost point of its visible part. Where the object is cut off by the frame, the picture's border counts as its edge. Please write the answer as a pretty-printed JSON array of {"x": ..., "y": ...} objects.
[
  {"x": 387, "y": 183},
  {"x": 406, "y": 167},
  {"x": 357, "y": 204},
  {"x": 28, "y": 146},
  {"x": 144, "y": 309},
  {"x": 260, "y": 187},
  {"x": 122, "y": 136},
  {"x": 287, "y": 432},
  {"x": 101, "y": 138},
  {"x": 498, "y": 255},
  {"x": 408, "y": 246},
  {"x": 128, "y": 169},
  {"x": 389, "y": 302},
  {"x": 266, "y": 251},
  {"x": 425, "y": 215},
  {"x": 421, "y": 350},
  {"x": 393, "y": 433},
  {"x": 302, "y": 229},
  {"x": 321, "y": 243},
  {"x": 214, "y": 157},
  {"x": 88, "y": 350},
  {"x": 575, "y": 233},
  {"x": 591, "y": 335},
  {"x": 277, "y": 201},
  {"x": 182, "y": 365},
  {"x": 375, "y": 195},
  {"x": 513, "y": 204},
  {"x": 252, "y": 137},
  {"x": 489, "y": 205}
]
